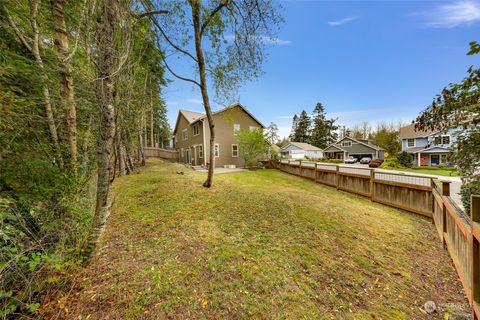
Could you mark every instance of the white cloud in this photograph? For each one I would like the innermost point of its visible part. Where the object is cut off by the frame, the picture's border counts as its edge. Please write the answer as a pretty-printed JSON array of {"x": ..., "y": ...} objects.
[
  {"x": 457, "y": 13},
  {"x": 340, "y": 22},
  {"x": 285, "y": 117},
  {"x": 274, "y": 41},
  {"x": 195, "y": 101},
  {"x": 171, "y": 103}
]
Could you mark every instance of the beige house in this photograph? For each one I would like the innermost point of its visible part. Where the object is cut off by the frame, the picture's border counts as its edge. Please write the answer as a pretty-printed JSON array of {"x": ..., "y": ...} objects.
[{"x": 192, "y": 135}]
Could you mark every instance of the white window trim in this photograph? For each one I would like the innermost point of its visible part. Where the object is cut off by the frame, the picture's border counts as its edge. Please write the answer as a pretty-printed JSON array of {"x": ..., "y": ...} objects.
[
  {"x": 343, "y": 144},
  {"x": 185, "y": 134},
  {"x": 217, "y": 147},
  {"x": 200, "y": 151},
  {"x": 235, "y": 130},
  {"x": 198, "y": 129},
  {"x": 414, "y": 142},
  {"x": 237, "y": 150}
]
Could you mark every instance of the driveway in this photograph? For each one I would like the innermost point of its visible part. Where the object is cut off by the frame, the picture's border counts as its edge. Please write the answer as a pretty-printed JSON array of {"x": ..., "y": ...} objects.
[{"x": 455, "y": 182}]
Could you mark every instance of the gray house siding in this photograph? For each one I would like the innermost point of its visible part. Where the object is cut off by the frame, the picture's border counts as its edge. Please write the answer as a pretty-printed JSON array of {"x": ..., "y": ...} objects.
[{"x": 356, "y": 149}]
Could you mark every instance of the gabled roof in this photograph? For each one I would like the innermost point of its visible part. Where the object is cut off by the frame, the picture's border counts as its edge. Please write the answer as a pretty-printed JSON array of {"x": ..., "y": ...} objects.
[
  {"x": 422, "y": 149},
  {"x": 192, "y": 116},
  {"x": 357, "y": 141},
  {"x": 409, "y": 132},
  {"x": 303, "y": 146},
  {"x": 333, "y": 146}
]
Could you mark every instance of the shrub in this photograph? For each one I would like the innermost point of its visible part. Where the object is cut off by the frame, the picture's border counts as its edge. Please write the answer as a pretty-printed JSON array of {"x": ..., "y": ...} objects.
[
  {"x": 467, "y": 189},
  {"x": 405, "y": 159},
  {"x": 391, "y": 164}
]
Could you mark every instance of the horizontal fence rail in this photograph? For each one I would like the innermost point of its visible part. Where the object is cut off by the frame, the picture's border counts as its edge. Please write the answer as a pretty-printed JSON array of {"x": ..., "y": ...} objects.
[
  {"x": 422, "y": 195},
  {"x": 167, "y": 154}
]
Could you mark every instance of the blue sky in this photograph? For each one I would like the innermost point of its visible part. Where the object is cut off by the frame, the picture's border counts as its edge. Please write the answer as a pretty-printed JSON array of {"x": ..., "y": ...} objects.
[{"x": 364, "y": 60}]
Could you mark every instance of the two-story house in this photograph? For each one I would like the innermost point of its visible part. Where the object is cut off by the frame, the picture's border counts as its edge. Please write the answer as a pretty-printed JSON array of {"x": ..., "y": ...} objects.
[
  {"x": 192, "y": 135},
  {"x": 429, "y": 147},
  {"x": 357, "y": 148}
]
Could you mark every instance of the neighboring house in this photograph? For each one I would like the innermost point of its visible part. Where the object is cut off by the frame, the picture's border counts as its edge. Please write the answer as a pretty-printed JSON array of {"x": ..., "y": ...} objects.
[
  {"x": 192, "y": 135},
  {"x": 428, "y": 147},
  {"x": 300, "y": 150},
  {"x": 357, "y": 148}
]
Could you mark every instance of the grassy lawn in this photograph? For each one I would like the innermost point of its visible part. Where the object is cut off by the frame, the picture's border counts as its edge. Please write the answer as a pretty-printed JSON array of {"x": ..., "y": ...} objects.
[
  {"x": 259, "y": 244},
  {"x": 438, "y": 172}
]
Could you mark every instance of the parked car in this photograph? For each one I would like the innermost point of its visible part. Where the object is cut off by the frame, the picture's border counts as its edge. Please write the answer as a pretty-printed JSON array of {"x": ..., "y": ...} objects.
[
  {"x": 375, "y": 163},
  {"x": 350, "y": 160},
  {"x": 365, "y": 160}
]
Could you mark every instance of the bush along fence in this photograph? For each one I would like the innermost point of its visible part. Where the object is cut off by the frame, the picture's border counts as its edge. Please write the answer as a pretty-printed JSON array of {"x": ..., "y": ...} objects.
[
  {"x": 166, "y": 154},
  {"x": 422, "y": 195}
]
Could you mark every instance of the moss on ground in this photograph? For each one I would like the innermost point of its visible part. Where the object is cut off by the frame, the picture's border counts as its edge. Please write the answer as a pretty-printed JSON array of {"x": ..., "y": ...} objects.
[{"x": 259, "y": 244}]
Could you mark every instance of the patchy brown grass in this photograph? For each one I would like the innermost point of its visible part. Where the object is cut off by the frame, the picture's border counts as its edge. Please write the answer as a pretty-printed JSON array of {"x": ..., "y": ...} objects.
[{"x": 260, "y": 244}]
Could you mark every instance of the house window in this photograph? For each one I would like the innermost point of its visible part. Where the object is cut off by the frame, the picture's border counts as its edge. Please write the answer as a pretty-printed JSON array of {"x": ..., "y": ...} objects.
[
  {"x": 234, "y": 150},
  {"x": 182, "y": 153},
  {"x": 252, "y": 128},
  {"x": 200, "y": 151},
  {"x": 185, "y": 134},
  {"x": 217, "y": 150},
  {"x": 236, "y": 128},
  {"x": 196, "y": 130},
  {"x": 346, "y": 143},
  {"x": 441, "y": 140},
  {"x": 443, "y": 158},
  {"x": 410, "y": 143}
]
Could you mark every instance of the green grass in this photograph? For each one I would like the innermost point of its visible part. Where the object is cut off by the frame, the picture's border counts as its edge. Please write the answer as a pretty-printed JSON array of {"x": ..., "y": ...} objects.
[
  {"x": 438, "y": 172},
  {"x": 258, "y": 245}
]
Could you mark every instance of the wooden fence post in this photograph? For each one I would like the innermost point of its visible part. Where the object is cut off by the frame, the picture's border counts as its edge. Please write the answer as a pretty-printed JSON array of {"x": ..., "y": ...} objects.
[
  {"x": 475, "y": 220},
  {"x": 445, "y": 193},
  {"x": 336, "y": 177},
  {"x": 372, "y": 184},
  {"x": 446, "y": 188},
  {"x": 316, "y": 172}
]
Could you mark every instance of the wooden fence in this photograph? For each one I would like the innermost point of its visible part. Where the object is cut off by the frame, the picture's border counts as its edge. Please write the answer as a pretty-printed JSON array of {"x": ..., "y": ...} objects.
[
  {"x": 422, "y": 195},
  {"x": 171, "y": 155}
]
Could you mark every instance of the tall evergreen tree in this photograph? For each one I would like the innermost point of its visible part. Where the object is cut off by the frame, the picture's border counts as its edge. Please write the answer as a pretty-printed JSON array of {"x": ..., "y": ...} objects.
[
  {"x": 304, "y": 124},
  {"x": 272, "y": 133},
  {"x": 324, "y": 130},
  {"x": 293, "y": 133}
]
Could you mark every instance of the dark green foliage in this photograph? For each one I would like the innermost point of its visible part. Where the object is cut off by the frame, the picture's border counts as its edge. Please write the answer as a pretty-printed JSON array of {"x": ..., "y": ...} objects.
[
  {"x": 45, "y": 210},
  {"x": 457, "y": 107},
  {"x": 470, "y": 188},
  {"x": 405, "y": 159},
  {"x": 324, "y": 130}
]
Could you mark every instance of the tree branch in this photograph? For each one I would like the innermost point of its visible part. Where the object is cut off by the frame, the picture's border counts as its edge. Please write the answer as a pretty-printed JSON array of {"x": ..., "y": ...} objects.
[
  {"x": 150, "y": 13},
  {"x": 170, "y": 42},
  {"x": 177, "y": 76},
  {"x": 211, "y": 15},
  {"x": 18, "y": 32}
]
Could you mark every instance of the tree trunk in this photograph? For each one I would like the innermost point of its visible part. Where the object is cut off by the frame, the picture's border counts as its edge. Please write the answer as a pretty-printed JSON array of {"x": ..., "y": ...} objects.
[
  {"x": 38, "y": 59},
  {"x": 203, "y": 88},
  {"x": 106, "y": 141},
  {"x": 66, "y": 79},
  {"x": 152, "y": 140}
]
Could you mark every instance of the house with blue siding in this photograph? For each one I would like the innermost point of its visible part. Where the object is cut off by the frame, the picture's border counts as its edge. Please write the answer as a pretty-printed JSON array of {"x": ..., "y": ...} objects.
[{"x": 428, "y": 147}]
